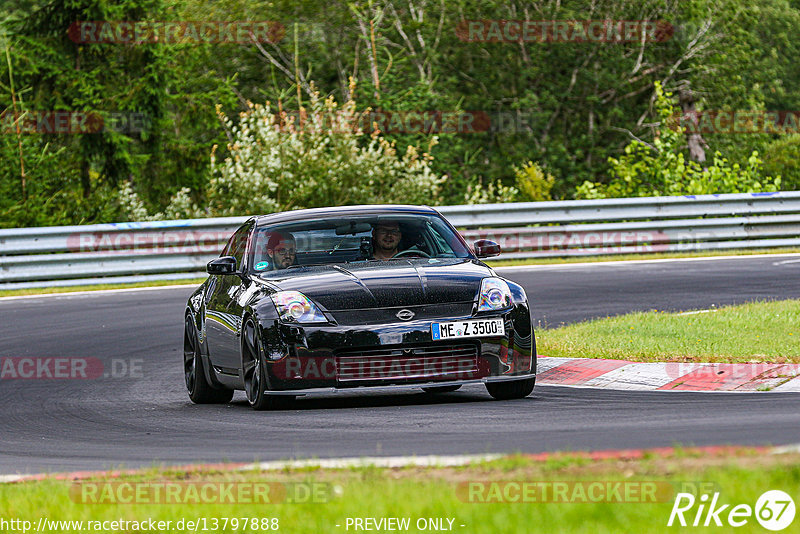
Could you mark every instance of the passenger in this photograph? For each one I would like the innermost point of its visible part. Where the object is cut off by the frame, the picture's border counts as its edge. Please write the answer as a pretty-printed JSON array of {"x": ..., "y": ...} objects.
[
  {"x": 386, "y": 238},
  {"x": 281, "y": 250}
]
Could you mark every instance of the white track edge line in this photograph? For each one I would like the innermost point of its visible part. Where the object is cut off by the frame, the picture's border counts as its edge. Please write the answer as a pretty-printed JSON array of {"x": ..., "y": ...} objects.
[
  {"x": 331, "y": 463},
  {"x": 387, "y": 462},
  {"x": 375, "y": 461},
  {"x": 786, "y": 449},
  {"x": 636, "y": 262},
  {"x": 98, "y": 292}
]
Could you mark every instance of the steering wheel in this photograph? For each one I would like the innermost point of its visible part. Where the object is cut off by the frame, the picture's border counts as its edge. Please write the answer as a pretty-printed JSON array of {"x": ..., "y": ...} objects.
[{"x": 411, "y": 252}]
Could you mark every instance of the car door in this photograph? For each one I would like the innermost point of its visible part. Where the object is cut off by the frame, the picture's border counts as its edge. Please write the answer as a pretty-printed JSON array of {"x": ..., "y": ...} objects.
[{"x": 224, "y": 312}]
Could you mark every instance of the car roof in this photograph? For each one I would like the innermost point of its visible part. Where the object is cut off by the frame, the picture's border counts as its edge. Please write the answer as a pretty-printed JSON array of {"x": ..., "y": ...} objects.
[{"x": 371, "y": 209}]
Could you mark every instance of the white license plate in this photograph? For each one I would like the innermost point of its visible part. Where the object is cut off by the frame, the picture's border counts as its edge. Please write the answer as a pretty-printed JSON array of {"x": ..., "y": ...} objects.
[{"x": 472, "y": 328}]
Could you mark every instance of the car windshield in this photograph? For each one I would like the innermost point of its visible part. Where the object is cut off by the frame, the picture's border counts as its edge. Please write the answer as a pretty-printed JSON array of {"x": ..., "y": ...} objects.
[{"x": 339, "y": 239}]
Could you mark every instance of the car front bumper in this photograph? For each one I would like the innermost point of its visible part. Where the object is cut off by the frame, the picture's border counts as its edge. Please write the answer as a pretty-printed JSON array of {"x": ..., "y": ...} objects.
[{"x": 302, "y": 360}]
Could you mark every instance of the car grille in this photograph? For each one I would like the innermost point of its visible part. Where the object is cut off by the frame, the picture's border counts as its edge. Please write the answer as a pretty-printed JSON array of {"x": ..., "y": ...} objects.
[
  {"x": 429, "y": 362},
  {"x": 427, "y": 312}
]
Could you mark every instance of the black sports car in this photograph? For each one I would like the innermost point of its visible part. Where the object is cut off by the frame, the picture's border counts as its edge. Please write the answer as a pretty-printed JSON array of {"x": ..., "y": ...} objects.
[{"x": 331, "y": 299}]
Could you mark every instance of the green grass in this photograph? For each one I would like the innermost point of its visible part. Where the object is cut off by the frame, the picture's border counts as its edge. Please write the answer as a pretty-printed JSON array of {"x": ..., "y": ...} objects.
[
  {"x": 631, "y": 257},
  {"x": 441, "y": 493},
  {"x": 97, "y": 287},
  {"x": 754, "y": 332}
]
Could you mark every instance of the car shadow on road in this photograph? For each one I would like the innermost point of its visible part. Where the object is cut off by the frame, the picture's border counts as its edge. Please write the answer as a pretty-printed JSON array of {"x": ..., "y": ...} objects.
[{"x": 383, "y": 400}]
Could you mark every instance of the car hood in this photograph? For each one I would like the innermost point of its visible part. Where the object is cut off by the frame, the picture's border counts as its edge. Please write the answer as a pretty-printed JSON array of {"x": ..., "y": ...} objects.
[{"x": 406, "y": 282}]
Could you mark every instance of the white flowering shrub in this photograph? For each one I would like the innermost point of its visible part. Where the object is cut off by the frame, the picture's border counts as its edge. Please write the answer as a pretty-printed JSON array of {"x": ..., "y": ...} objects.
[
  {"x": 180, "y": 206},
  {"x": 493, "y": 193},
  {"x": 318, "y": 157}
]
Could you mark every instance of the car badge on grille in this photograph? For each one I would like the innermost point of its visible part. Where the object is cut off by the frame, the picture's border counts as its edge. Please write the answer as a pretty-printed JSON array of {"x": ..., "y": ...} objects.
[{"x": 405, "y": 315}]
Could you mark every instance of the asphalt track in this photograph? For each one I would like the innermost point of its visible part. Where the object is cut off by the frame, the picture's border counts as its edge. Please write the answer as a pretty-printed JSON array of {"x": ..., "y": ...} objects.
[{"x": 59, "y": 425}]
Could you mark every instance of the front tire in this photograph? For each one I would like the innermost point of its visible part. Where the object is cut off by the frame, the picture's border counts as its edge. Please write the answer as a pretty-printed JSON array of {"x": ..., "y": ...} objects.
[
  {"x": 513, "y": 389},
  {"x": 200, "y": 391},
  {"x": 255, "y": 373}
]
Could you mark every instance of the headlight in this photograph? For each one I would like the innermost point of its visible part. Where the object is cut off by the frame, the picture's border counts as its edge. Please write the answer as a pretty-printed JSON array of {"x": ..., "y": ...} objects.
[
  {"x": 293, "y": 307},
  {"x": 495, "y": 295}
]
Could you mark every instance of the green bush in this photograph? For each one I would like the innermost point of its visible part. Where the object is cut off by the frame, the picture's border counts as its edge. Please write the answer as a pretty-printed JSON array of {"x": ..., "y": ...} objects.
[
  {"x": 491, "y": 193},
  {"x": 320, "y": 157},
  {"x": 782, "y": 157},
  {"x": 661, "y": 169},
  {"x": 533, "y": 183}
]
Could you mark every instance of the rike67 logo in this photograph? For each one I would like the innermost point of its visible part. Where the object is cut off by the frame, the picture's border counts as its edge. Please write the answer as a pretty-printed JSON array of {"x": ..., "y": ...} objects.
[{"x": 774, "y": 510}]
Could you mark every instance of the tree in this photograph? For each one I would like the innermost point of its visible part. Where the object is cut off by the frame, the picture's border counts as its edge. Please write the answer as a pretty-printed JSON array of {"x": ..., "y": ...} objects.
[
  {"x": 318, "y": 157},
  {"x": 661, "y": 169},
  {"x": 781, "y": 157},
  {"x": 155, "y": 100}
]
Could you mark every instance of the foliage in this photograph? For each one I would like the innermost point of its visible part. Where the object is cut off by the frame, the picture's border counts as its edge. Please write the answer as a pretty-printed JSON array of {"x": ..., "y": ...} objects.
[
  {"x": 661, "y": 169},
  {"x": 782, "y": 157},
  {"x": 491, "y": 193},
  {"x": 278, "y": 161},
  {"x": 571, "y": 107},
  {"x": 533, "y": 183},
  {"x": 73, "y": 177}
]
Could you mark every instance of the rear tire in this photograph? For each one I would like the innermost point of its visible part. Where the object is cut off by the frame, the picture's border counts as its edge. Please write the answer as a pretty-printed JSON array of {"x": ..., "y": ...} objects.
[
  {"x": 515, "y": 389},
  {"x": 441, "y": 389},
  {"x": 200, "y": 391},
  {"x": 255, "y": 375}
]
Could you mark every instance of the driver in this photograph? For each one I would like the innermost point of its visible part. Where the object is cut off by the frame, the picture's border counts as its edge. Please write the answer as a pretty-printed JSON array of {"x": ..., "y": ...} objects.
[
  {"x": 281, "y": 249},
  {"x": 386, "y": 238}
]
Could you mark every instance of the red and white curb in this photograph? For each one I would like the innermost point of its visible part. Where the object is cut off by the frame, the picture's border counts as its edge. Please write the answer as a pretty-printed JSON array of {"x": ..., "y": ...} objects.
[{"x": 626, "y": 375}]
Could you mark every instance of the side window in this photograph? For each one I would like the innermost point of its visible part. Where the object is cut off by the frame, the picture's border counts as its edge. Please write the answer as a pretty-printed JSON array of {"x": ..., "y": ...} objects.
[{"x": 237, "y": 244}]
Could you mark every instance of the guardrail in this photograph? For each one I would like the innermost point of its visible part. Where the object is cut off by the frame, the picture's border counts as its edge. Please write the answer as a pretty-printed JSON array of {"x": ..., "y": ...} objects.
[{"x": 165, "y": 250}]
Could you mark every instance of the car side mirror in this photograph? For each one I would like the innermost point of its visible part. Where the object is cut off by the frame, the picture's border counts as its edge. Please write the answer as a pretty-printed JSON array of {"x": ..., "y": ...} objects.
[
  {"x": 485, "y": 248},
  {"x": 223, "y": 265}
]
